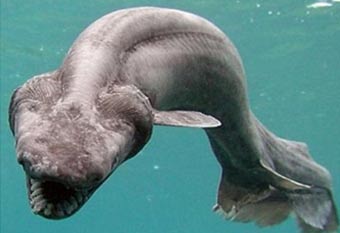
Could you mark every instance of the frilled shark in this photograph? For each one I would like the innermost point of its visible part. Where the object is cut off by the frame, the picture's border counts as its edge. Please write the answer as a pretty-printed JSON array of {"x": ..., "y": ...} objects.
[{"x": 139, "y": 67}]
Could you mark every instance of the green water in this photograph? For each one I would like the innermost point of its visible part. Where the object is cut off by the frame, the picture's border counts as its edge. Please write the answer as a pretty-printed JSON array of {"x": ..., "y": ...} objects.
[{"x": 292, "y": 59}]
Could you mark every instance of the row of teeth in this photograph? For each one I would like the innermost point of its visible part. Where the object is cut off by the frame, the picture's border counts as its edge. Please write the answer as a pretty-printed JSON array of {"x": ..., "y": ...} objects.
[
  {"x": 231, "y": 214},
  {"x": 66, "y": 207}
]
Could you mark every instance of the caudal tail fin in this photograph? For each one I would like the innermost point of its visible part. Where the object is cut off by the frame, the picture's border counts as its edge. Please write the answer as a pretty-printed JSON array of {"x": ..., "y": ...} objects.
[
  {"x": 315, "y": 210},
  {"x": 266, "y": 206}
]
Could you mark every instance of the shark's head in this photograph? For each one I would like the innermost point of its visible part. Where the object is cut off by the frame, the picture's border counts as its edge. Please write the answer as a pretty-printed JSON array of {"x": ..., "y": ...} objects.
[{"x": 67, "y": 148}]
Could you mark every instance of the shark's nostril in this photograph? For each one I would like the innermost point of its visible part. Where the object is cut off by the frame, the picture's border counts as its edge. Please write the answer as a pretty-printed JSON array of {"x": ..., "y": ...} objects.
[
  {"x": 26, "y": 165},
  {"x": 24, "y": 160},
  {"x": 96, "y": 178},
  {"x": 20, "y": 160},
  {"x": 92, "y": 178}
]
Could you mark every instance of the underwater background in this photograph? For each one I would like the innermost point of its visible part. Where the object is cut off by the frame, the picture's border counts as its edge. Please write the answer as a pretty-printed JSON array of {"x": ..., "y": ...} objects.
[{"x": 291, "y": 55}]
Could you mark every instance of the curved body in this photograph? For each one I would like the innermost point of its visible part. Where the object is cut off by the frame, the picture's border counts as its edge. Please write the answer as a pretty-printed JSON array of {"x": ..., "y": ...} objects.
[{"x": 137, "y": 67}]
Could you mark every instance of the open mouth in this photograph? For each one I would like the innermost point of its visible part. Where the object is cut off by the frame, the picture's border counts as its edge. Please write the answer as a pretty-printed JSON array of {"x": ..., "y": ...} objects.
[{"x": 54, "y": 200}]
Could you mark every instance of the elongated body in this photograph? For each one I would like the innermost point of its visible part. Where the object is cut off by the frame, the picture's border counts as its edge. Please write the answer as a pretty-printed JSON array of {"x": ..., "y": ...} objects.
[{"x": 138, "y": 67}]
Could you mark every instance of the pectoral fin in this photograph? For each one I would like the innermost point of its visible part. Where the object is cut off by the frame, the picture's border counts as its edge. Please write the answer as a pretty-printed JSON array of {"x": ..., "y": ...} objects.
[{"x": 185, "y": 119}]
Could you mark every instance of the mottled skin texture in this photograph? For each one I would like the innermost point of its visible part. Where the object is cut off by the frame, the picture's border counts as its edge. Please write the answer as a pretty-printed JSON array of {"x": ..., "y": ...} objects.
[{"x": 131, "y": 69}]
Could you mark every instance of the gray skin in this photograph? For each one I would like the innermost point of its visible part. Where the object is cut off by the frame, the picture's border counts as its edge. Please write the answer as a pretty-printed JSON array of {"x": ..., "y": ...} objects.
[{"x": 137, "y": 67}]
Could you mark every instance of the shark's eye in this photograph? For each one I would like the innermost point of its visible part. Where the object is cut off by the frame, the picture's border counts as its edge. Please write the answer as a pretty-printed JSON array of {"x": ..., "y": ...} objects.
[
  {"x": 41, "y": 140},
  {"x": 33, "y": 106}
]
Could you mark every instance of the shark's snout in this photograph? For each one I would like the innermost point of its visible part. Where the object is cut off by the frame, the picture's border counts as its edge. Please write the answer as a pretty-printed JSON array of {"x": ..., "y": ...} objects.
[{"x": 80, "y": 173}]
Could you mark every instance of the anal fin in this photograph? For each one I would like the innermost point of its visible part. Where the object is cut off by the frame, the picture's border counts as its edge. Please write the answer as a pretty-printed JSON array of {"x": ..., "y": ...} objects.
[{"x": 266, "y": 206}]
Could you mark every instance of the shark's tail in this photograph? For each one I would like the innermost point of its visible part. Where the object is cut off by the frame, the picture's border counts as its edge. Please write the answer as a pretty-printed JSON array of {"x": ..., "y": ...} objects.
[
  {"x": 283, "y": 179},
  {"x": 314, "y": 208}
]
